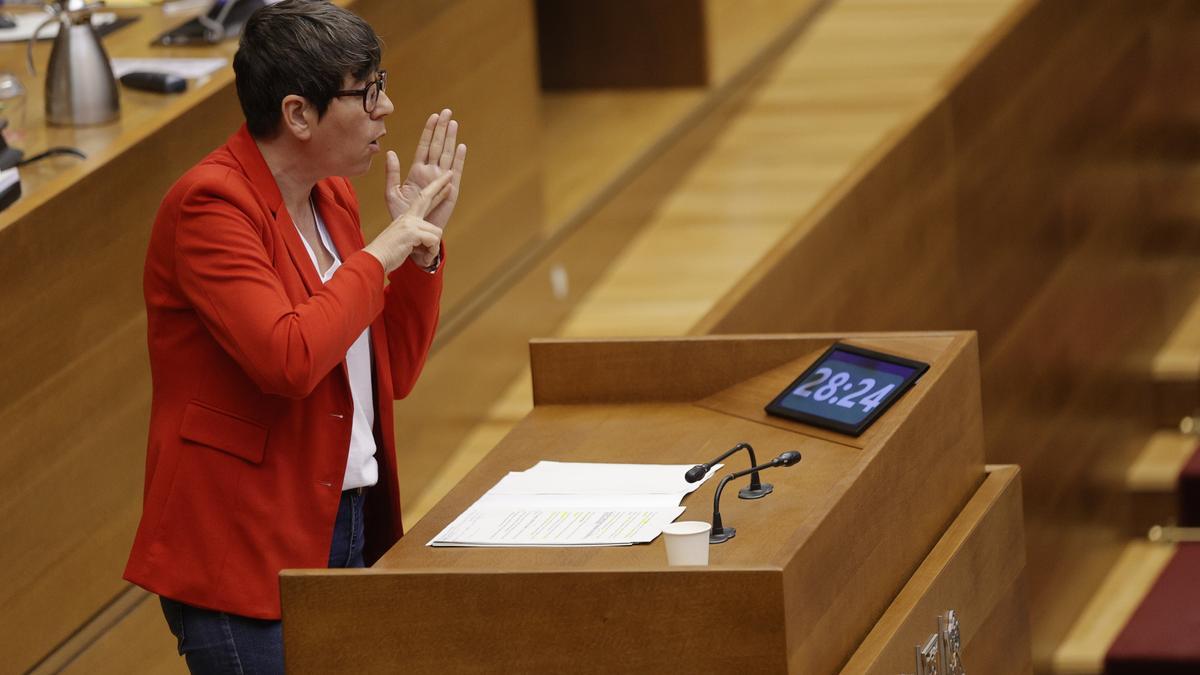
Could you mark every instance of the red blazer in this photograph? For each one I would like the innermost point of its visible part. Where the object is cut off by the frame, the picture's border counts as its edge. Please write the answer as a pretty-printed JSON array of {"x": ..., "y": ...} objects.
[{"x": 251, "y": 412}]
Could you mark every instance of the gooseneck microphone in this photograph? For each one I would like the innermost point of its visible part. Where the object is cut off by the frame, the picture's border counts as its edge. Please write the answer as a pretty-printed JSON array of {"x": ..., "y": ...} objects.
[
  {"x": 756, "y": 490},
  {"x": 721, "y": 534}
]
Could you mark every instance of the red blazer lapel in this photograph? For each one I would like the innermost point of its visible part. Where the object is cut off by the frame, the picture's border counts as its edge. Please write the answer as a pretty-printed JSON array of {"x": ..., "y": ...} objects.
[
  {"x": 297, "y": 251},
  {"x": 342, "y": 225},
  {"x": 246, "y": 152}
]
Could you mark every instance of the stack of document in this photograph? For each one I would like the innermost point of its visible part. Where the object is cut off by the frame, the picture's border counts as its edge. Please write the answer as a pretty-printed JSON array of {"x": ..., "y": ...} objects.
[{"x": 574, "y": 504}]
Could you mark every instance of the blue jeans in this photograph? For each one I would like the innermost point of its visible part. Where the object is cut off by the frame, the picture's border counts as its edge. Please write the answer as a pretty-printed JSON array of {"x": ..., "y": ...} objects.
[{"x": 216, "y": 643}]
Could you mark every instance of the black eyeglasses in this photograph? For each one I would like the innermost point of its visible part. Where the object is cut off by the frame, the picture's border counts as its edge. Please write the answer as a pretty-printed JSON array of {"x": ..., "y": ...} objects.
[{"x": 369, "y": 93}]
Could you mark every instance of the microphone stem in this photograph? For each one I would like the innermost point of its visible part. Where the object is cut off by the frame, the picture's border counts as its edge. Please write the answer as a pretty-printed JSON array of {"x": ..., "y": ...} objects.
[
  {"x": 755, "y": 484},
  {"x": 718, "y": 528},
  {"x": 721, "y": 486},
  {"x": 734, "y": 449},
  {"x": 716, "y": 520}
]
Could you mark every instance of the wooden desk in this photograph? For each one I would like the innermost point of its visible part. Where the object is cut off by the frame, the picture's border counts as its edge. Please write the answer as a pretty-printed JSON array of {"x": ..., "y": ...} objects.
[{"x": 859, "y": 516}]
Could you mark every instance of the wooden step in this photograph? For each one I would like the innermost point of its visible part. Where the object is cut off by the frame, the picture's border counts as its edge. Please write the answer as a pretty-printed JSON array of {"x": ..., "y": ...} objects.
[
  {"x": 1160, "y": 636},
  {"x": 1152, "y": 480},
  {"x": 1176, "y": 370},
  {"x": 1083, "y": 650}
]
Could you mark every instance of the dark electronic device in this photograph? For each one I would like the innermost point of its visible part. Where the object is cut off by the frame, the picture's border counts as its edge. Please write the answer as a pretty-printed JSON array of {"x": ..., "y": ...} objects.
[
  {"x": 9, "y": 156},
  {"x": 10, "y": 178},
  {"x": 756, "y": 490},
  {"x": 223, "y": 20},
  {"x": 12, "y": 158},
  {"x": 847, "y": 389},
  {"x": 721, "y": 534},
  {"x": 162, "y": 83}
]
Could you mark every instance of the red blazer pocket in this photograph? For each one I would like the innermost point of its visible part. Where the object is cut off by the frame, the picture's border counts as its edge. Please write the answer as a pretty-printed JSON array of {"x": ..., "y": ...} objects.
[{"x": 224, "y": 431}]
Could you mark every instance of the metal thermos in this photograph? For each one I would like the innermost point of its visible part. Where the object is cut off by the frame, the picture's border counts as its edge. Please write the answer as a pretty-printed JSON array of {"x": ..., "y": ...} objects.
[{"x": 80, "y": 87}]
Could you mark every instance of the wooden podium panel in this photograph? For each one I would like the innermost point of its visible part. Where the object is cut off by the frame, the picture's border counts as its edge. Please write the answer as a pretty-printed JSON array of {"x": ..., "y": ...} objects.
[
  {"x": 812, "y": 568},
  {"x": 976, "y": 569}
]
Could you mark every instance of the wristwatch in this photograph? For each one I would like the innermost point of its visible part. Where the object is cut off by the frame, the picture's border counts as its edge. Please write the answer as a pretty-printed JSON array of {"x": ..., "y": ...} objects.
[{"x": 433, "y": 266}]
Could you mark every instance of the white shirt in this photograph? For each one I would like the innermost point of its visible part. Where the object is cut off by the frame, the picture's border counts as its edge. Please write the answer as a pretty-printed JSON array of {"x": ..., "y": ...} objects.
[{"x": 361, "y": 468}]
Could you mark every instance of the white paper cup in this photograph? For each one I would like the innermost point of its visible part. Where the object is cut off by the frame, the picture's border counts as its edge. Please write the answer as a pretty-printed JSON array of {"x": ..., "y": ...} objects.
[{"x": 687, "y": 542}]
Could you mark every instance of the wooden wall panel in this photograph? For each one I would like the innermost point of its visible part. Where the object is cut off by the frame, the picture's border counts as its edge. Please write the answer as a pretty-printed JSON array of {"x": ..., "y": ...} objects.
[
  {"x": 622, "y": 43},
  {"x": 737, "y": 31},
  {"x": 601, "y": 628},
  {"x": 827, "y": 276},
  {"x": 659, "y": 43}
]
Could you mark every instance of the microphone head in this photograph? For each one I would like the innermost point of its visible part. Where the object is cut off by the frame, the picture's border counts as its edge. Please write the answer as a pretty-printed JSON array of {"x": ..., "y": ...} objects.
[
  {"x": 788, "y": 458},
  {"x": 696, "y": 473}
]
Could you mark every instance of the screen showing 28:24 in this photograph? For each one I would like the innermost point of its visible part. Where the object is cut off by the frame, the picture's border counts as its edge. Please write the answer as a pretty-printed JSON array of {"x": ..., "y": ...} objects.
[{"x": 845, "y": 389}]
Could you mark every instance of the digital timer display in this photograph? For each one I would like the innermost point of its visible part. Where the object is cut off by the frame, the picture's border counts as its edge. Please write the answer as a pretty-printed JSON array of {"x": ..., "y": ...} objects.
[{"x": 847, "y": 389}]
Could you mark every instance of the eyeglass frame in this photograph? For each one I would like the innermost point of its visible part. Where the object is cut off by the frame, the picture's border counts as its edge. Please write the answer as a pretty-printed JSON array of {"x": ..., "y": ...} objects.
[{"x": 379, "y": 82}]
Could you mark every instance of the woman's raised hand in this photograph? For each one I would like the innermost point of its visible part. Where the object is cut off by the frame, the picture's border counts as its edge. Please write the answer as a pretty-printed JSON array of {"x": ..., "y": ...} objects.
[{"x": 438, "y": 153}]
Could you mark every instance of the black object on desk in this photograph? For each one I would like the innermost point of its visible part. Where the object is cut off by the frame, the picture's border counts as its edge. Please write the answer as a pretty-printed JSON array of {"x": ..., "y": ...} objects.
[
  {"x": 9, "y": 156},
  {"x": 162, "y": 83},
  {"x": 223, "y": 20},
  {"x": 847, "y": 389},
  {"x": 10, "y": 178}
]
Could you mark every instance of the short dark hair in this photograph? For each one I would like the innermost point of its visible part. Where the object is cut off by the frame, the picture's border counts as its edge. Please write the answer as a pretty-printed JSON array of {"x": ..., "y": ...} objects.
[{"x": 303, "y": 47}]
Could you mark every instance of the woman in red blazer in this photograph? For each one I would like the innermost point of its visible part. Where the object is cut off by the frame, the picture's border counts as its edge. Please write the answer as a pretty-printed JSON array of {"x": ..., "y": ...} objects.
[{"x": 252, "y": 316}]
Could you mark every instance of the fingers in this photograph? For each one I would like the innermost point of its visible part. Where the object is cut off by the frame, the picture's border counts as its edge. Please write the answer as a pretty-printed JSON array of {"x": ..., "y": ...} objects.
[
  {"x": 448, "y": 147},
  {"x": 423, "y": 235},
  {"x": 441, "y": 196},
  {"x": 422, "y": 154},
  {"x": 460, "y": 158},
  {"x": 393, "y": 178},
  {"x": 431, "y": 195},
  {"x": 429, "y": 236},
  {"x": 439, "y": 136}
]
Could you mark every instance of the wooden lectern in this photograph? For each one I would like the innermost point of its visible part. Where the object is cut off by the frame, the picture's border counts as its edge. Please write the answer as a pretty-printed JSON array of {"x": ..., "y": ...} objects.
[{"x": 847, "y": 563}]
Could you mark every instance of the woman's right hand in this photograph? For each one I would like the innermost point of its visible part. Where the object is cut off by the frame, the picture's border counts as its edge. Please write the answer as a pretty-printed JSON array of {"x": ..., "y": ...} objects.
[{"x": 410, "y": 231}]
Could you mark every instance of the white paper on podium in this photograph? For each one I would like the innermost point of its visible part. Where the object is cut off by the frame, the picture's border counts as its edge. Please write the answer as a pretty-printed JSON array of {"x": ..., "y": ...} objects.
[
  {"x": 574, "y": 504},
  {"x": 500, "y": 526},
  {"x": 508, "y": 501}
]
